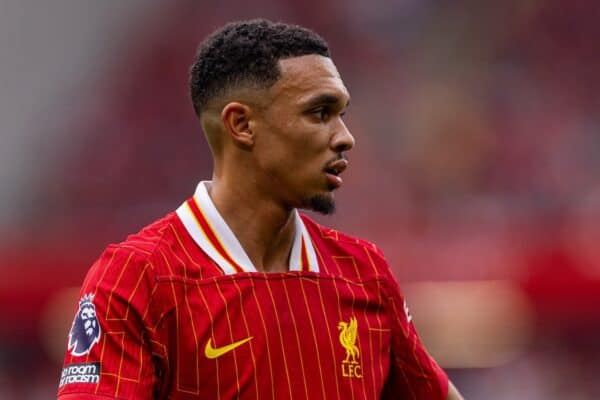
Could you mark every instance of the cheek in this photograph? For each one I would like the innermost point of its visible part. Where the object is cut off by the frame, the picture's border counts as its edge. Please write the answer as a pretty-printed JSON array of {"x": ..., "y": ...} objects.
[
  {"x": 306, "y": 140},
  {"x": 291, "y": 149}
]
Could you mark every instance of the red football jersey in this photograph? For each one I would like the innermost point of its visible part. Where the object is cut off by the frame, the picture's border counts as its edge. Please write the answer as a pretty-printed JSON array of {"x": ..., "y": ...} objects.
[{"x": 178, "y": 311}]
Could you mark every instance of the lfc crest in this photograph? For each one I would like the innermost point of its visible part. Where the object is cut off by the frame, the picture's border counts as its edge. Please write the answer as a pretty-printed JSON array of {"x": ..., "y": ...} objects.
[{"x": 351, "y": 367}]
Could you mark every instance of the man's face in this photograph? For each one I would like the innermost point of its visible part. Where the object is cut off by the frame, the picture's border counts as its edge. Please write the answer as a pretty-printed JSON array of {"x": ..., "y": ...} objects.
[{"x": 301, "y": 136}]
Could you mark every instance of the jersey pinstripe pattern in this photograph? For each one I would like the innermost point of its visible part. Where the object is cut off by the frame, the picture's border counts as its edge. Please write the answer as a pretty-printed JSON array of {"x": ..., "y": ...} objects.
[{"x": 334, "y": 327}]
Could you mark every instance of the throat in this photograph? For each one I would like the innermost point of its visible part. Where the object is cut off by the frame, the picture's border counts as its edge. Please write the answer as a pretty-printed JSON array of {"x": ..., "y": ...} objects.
[
  {"x": 265, "y": 230},
  {"x": 274, "y": 254},
  {"x": 273, "y": 268}
]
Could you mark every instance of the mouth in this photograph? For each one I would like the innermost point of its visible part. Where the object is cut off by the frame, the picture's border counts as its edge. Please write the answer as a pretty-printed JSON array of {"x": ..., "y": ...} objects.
[{"x": 333, "y": 171}]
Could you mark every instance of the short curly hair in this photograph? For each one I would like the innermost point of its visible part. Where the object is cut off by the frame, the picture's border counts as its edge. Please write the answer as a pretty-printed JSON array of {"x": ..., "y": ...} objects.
[{"x": 246, "y": 54}]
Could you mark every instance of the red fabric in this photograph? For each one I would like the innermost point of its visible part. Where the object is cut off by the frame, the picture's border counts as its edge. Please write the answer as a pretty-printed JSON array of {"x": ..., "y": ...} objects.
[{"x": 160, "y": 300}]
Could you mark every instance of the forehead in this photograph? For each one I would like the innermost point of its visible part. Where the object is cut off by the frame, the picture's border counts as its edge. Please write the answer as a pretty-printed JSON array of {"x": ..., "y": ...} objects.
[{"x": 305, "y": 77}]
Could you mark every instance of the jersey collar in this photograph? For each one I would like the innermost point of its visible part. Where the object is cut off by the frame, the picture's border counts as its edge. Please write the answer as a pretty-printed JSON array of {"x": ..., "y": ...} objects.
[{"x": 210, "y": 231}]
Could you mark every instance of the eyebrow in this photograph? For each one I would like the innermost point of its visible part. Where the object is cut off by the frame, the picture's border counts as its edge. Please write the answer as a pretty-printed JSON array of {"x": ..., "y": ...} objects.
[{"x": 325, "y": 99}]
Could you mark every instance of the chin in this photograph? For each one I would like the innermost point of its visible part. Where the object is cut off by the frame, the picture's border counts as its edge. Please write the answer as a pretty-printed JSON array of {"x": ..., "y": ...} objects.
[{"x": 322, "y": 203}]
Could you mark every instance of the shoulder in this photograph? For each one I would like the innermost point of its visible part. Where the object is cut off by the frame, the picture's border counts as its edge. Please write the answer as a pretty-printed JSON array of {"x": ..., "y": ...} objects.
[
  {"x": 127, "y": 275},
  {"x": 336, "y": 248},
  {"x": 150, "y": 238},
  {"x": 161, "y": 251},
  {"x": 138, "y": 255}
]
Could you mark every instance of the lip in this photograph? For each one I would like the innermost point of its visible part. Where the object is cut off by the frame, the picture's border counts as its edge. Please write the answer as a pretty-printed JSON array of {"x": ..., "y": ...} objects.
[
  {"x": 333, "y": 171},
  {"x": 338, "y": 166},
  {"x": 334, "y": 181}
]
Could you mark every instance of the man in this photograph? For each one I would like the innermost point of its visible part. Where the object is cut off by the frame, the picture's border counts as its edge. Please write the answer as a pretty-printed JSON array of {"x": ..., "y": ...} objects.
[{"x": 236, "y": 295}]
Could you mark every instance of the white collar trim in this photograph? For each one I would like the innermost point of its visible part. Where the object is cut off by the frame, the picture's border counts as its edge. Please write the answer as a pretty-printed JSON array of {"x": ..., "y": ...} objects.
[{"x": 210, "y": 231}]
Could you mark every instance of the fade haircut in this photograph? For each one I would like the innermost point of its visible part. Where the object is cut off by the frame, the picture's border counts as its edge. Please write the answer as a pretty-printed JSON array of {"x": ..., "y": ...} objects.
[{"x": 246, "y": 54}]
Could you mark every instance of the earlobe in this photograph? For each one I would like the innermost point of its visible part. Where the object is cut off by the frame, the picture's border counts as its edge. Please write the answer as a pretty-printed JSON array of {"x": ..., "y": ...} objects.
[{"x": 236, "y": 120}]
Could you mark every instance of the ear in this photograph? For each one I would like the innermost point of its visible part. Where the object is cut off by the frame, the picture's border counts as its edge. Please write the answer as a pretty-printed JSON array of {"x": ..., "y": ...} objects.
[{"x": 236, "y": 120}]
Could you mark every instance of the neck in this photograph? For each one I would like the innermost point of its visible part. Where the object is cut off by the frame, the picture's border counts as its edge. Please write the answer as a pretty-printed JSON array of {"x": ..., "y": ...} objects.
[{"x": 264, "y": 229}]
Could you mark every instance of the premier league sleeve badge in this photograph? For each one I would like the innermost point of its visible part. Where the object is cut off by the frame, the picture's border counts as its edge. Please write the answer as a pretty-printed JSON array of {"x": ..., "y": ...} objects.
[{"x": 85, "y": 330}]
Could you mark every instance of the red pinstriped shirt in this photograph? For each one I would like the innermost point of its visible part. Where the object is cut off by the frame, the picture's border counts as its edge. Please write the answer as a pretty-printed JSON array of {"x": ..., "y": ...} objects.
[{"x": 178, "y": 311}]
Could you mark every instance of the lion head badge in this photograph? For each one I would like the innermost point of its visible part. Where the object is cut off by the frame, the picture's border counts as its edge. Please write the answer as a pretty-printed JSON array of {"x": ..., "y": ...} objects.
[{"x": 85, "y": 331}]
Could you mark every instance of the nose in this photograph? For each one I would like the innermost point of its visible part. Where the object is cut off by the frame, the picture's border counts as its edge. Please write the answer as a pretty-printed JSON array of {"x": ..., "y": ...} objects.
[{"x": 342, "y": 140}]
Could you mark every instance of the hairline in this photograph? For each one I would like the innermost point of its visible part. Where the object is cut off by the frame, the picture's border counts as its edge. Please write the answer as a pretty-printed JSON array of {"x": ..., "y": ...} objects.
[{"x": 221, "y": 99}]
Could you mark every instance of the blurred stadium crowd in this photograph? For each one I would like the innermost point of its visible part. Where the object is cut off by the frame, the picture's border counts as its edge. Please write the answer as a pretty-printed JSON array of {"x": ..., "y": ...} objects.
[{"x": 477, "y": 164}]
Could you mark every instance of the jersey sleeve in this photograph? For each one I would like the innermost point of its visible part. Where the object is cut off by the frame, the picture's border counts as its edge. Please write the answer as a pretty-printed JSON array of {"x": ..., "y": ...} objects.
[
  {"x": 109, "y": 354},
  {"x": 414, "y": 374}
]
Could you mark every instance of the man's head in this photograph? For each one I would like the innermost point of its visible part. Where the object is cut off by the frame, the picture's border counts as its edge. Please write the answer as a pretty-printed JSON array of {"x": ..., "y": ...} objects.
[
  {"x": 270, "y": 101},
  {"x": 246, "y": 54}
]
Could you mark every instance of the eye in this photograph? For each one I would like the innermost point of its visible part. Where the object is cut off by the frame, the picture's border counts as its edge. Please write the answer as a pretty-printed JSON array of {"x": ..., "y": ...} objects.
[{"x": 322, "y": 113}]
